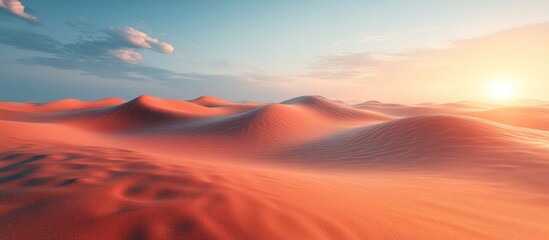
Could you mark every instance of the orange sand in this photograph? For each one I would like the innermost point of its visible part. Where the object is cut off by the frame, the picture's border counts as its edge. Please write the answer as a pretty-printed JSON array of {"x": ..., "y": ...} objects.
[{"x": 306, "y": 168}]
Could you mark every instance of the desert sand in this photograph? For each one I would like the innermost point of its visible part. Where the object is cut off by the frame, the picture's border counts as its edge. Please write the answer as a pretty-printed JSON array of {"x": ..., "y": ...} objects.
[{"x": 305, "y": 168}]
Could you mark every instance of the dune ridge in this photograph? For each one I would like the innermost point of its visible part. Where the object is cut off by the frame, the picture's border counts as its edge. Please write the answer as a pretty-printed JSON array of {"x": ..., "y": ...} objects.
[
  {"x": 335, "y": 110},
  {"x": 71, "y": 104},
  {"x": 144, "y": 112},
  {"x": 61, "y": 105},
  {"x": 138, "y": 113},
  {"x": 289, "y": 120},
  {"x": 210, "y": 101}
]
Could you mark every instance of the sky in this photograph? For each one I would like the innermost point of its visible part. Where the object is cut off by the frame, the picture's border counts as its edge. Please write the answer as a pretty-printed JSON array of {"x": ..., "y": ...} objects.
[{"x": 269, "y": 51}]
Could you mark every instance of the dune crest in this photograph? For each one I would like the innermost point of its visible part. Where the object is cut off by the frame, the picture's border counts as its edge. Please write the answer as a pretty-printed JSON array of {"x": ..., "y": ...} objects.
[
  {"x": 273, "y": 122},
  {"x": 335, "y": 110},
  {"x": 209, "y": 101},
  {"x": 61, "y": 105}
]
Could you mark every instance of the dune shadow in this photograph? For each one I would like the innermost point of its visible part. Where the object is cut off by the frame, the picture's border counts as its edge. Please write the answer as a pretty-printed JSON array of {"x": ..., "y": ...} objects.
[
  {"x": 21, "y": 163},
  {"x": 10, "y": 156},
  {"x": 17, "y": 175}
]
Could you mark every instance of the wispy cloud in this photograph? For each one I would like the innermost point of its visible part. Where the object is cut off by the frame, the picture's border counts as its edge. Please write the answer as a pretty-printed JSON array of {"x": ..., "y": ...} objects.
[
  {"x": 353, "y": 60},
  {"x": 366, "y": 38},
  {"x": 346, "y": 66},
  {"x": 30, "y": 41},
  {"x": 16, "y": 8},
  {"x": 382, "y": 37},
  {"x": 220, "y": 64}
]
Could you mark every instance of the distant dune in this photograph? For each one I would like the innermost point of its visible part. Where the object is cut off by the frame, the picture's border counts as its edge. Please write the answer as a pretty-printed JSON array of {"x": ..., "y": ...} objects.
[
  {"x": 209, "y": 101},
  {"x": 140, "y": 112},
  {"x": 295, "y": 119},
  {"x": 61, "y": 105},
  {"x": 73, "y": 104},
  {"x": 305, "y": 168},
  {"x": 334, "y": 110},
  {"x": 536, "y": 117}
]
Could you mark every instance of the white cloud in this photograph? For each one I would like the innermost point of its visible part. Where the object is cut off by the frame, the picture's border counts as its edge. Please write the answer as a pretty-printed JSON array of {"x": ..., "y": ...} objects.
[
  {"x": 126, "y": 55},
  {"x": 17, "y": 8},
  {"x": 165, "y": 48},
  {"x": 137, "y": 39}
]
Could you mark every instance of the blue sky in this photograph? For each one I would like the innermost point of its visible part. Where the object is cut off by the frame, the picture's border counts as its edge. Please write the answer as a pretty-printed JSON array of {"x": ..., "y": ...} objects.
[{"x": 240, "y": 50}]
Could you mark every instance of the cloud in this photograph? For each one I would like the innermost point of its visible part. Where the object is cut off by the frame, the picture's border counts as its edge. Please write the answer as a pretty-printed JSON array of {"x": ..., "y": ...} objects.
[
  {"x": 16, "y": 8},
  {"x": 165, "y": 48},
  {"x": 106, "y": 56},
  {"x": 137, "y": 39},
  {"x": 109, "y": 58},
  {"x": 364, "y": 39},
  {"x": 114, "y": 54},
  {"x": 382, "y": 37},
  {"x": 179, "y": 85},
  {"x": 354, "y": 60},
  {"x": 126, "y": 55},
  {"x": 122, "y": 44},
  {"x": 29, "y": 41},
  {"x": 109, "y": 69},
  {"x": 220, "y": 64},
  {"x": 348, "y": 66}
]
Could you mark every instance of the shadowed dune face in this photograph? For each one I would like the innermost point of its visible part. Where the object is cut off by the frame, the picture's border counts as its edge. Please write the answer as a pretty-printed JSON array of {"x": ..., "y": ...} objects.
[{"x": 305, "y": 168}]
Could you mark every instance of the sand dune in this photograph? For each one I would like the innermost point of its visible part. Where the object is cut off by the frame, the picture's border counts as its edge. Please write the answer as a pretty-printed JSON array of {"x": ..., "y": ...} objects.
[
  {"x": 296, "y": 119},
  {"x": 468, "y": 105},
  {"x": 334, "y": 110},
  {"x": 273, "y": 122},
  {"x": 137, "y": 113},
  {"x": 305, "y": 168},
  {"x": 61, "y": 105},
  {"x": 399, "y": 110},
  {"x": 529, "y": 114},
  {"x": 72, "y": 104},
  {"x": 403, "y": 110},
  {"x": 536, "y": 117},
  {"x": 429, "y": 139},
  {"x": 209, "y": 101},
  {"x": 143, "y": 112}
]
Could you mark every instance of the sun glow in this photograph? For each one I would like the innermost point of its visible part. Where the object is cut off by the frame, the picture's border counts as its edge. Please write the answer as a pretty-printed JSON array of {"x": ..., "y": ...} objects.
[{"x": 501, "y": 89}]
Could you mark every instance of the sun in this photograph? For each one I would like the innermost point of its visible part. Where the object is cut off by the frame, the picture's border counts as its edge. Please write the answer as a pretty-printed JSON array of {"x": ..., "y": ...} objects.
[{"x": 501, "y": 89}]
